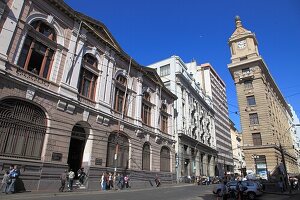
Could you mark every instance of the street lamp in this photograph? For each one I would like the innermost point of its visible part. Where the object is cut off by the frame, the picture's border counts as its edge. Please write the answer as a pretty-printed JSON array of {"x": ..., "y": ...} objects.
[
  {"x": 283, "y": 159},
  {"x": 254, "y": 157}
]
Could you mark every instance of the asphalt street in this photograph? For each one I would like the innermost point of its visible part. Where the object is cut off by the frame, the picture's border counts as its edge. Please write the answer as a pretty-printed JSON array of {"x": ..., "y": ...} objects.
[{"x": 178, "y": 192}]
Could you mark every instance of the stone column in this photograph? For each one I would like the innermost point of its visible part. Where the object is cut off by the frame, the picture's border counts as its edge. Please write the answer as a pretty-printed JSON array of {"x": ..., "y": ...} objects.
[
  {"x": 197, "y": 162},
  {"x": 68, "y": 86},
  {"x": 138, "y": 99},
  {"x": 205, "y": 164},
  {"x": 9, "y": 27}
]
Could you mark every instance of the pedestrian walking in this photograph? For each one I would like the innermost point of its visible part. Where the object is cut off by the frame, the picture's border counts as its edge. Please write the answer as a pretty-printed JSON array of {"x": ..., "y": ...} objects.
[
  {"x": 5, "y": 182},
  {"x": 63, "y": 180},
  {"x": 103, "y": 181},
  {"x": 126, "y": 181},
  {"x": 13, "y": 175},
  {"x": 71, "y": 176},
  {"x": 280, "y": 185},
  {"x": 157, "y": 181},
  {"x": 81, "y": 175},
  {"x": 110, "y": 181}
]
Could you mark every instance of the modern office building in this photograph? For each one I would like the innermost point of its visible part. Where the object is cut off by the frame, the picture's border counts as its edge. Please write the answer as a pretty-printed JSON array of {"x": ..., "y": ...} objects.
[
  {"x": 265, "y": 114},
  {"x": 70, "y": 97},
  {"x": 194, "y": 119}
]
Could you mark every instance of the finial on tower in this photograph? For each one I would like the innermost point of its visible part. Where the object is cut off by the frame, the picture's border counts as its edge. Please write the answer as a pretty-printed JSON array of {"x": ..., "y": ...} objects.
[{"x": 238, "y": 22}]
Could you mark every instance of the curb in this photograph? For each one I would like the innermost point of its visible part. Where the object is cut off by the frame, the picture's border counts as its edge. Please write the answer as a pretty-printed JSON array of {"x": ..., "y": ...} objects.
[{"x": 279, "y": 193}]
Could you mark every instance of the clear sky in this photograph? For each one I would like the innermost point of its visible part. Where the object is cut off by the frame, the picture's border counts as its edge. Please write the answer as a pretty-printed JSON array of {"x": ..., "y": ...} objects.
[{"x": 153, "y": 30}]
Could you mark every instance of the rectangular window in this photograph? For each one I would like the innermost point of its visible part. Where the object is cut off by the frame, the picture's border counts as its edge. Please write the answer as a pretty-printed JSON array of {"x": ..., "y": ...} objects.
[
  {"x": 119, "y": 98},
  {"x": 251, "y": 100},
  {"x": 87, "y": 83},
  {"x": 248, "y": 84},
  {"x": 146, "y": 113},
  {"x": 165, "y": 70},
  {"x": 253, "y": 119},
  {"x": 256, "y": 139},
  {"x": 164, "y": 123}
]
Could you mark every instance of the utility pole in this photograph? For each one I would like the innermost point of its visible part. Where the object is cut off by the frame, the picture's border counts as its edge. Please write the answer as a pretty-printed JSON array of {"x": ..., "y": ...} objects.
[{"x": 284, "y": 166}]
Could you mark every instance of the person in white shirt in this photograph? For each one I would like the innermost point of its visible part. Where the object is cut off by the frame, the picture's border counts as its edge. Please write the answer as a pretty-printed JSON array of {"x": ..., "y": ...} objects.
[{"x": 71, "y": 178}]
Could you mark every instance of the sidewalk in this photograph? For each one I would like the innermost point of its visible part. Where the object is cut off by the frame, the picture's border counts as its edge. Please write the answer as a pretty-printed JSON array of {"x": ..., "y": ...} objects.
[
  {"x": 46, "y": 193},
  {"x": 292, "y": 193}
]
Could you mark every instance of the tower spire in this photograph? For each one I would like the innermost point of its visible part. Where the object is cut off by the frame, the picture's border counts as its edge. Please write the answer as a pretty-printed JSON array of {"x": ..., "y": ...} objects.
[{"x": 238, "y": 22}]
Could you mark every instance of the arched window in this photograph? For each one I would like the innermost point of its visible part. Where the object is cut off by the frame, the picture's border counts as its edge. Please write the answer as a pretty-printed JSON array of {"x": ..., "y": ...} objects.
[
  {"x": 123, "y": 150},
  {"x": 22, "y": 129},
  {"x": 88, "y": 77},
  {"x": 38, "y": 49},
  {"x": 146, "y": 157},
  {"x": 121, "y": 82},
  {"x": 164, "y": 159},
  {"x": 146, "y": 109}
]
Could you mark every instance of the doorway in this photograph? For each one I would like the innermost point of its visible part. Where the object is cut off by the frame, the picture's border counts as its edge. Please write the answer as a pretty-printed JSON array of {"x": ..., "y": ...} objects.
[{"x": 76, "y": 149}]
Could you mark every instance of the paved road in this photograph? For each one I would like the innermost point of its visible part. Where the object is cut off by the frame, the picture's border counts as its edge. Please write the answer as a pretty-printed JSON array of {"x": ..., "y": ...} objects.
[{"x": 178, "y": 192}]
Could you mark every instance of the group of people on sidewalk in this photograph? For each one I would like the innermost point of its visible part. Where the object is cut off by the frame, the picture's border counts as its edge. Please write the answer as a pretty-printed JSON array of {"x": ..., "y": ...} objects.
[
  {"x": 11, "y": 176},
  {"x": 67, "y": 177},
  {"x": 108, "y": 179}
]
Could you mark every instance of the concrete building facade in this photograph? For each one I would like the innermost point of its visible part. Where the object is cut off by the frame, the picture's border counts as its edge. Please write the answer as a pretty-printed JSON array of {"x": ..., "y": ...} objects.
[
  {"x": 265, "y": 115},
  {"x": 215, "y": 89},
  {"x": 239, "y": 164},
  {"x": 70, "y": 97},
  {"x": 194, "y": 119}
]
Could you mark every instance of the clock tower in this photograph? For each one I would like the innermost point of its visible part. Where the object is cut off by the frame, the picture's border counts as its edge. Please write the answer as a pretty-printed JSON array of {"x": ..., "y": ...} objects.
[
  {"x": 243, "y": 43},
  {"x": 264, "y": 113}
]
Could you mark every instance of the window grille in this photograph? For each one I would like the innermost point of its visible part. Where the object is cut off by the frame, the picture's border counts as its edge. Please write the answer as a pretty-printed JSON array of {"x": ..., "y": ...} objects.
[{"x": 22, "y": 129}]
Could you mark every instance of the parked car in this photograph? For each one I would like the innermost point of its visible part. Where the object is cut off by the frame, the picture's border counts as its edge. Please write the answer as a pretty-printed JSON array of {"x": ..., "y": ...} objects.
[{"x": 252, "y": 189}]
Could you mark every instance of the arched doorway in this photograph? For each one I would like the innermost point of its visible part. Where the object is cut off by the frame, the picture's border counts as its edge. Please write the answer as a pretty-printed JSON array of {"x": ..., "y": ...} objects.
[
  {"x": 165, "y": 159},
  {"x": 77, "y": 145}
]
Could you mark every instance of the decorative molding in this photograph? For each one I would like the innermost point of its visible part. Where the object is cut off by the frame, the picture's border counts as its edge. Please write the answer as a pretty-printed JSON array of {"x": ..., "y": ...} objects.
[
  {"x": 30, "y": 93},
  {"x": 61, "y": 105},
  {"x": 138, "y": 133},
  {"x": 50, "y": 19},
  {"x": 99, "y": 119},
  {"x": 106, "y": 121},
  {"x": 70, "y": 109},
  {"x": 158, "y": 139},
  {"x": 85, "y": 115}
]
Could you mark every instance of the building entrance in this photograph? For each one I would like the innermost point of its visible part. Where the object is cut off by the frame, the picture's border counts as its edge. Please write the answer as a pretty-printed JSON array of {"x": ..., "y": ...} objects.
[{"x": 76, "y": 149}]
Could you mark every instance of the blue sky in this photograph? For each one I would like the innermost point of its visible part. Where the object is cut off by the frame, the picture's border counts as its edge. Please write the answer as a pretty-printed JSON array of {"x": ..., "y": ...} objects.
[{"x": 150, "y": 31}]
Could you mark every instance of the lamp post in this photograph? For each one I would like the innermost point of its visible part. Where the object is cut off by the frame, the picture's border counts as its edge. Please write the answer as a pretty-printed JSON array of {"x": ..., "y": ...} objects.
[{"x": 254, "y": 156}]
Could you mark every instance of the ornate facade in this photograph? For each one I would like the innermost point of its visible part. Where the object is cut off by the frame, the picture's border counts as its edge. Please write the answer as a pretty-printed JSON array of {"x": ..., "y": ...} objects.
[
  {"x": 194, "y": 120},
  {"x": 70, "y": 97}
]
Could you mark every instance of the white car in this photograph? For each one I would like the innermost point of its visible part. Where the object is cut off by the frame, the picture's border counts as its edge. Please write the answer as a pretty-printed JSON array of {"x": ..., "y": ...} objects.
[{"x": 252, "y": 189}]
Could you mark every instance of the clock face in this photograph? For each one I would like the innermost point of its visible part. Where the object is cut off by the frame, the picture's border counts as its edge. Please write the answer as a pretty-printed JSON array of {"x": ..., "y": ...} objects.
[{"x": 241, "y": 44}]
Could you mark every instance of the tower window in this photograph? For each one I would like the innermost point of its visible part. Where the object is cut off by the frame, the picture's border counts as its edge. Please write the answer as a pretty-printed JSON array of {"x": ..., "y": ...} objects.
[
  {"x": 248, "y": 84},
  {"x": 256, "y": 139},
  {"x": 253, "y": 119},
  {"x": 251, "y": 100}
]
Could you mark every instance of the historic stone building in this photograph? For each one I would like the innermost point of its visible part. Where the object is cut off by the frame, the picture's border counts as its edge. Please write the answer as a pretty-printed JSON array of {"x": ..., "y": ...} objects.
[
  {"x": 265, "y": 115},
  {"x": 70, "y": 97},
  {"x": 239, "y": 164},
  {"x": 194, "y": 119},
  {"x": 215, "y": 89}
]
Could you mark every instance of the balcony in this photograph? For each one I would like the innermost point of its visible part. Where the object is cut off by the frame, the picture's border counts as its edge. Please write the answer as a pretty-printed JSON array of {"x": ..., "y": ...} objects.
[{"x": 246, "y": 75}]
